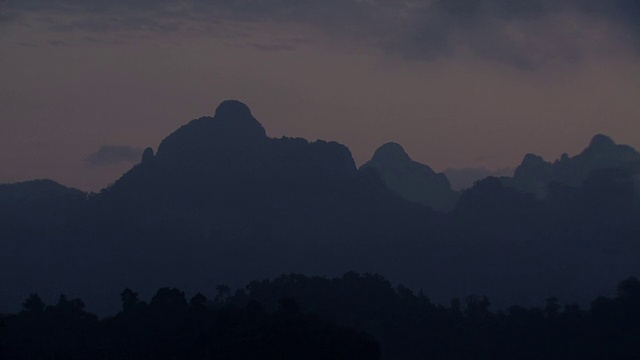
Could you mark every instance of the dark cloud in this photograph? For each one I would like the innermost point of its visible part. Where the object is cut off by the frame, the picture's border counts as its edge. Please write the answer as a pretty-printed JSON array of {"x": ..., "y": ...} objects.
[
  {"x": 624, "y": 12},
  {"x": 25, "y": 44},
  {"x": 58, "y": 43},
  {"x": 272, "y": 46},
  {"x": 111, "y": 155},
  {"x": 517, "y": 32}
]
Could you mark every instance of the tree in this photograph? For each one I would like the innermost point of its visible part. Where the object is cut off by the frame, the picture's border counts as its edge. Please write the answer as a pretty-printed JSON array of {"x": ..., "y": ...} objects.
[
  {"x": 168, "y": 298},
  {"x": 129, "y": 299},
  {"x": 629, "y": 289},
  {"x": 73, "y": 306},
  {"x": 198, "y": 301},
  {"x": 33, "y": 305},
  {"x": 223, "y": 293}
]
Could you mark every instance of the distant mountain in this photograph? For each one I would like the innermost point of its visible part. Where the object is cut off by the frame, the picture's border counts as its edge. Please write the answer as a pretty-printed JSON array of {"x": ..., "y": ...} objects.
[
  {"x": 219, "y": 198},
  {"x": 534, "y": 174},
  {"x": 38, "y": 190},
  {"x": 410, "y": 179},
  {"x": 38, "y": 202},
  {"x": 222, "y": 203},
  {"x": 223, "y": 175},
  {"x": 464, "y": 178}
]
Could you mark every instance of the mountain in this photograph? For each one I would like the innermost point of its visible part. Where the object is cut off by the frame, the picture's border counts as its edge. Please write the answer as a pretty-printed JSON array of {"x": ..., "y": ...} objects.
[
  {"x": 40, "y": 202},
  {"x": 464, "y": 178},
  {"x": 534, "y": 174},
  {"x": 223, "y": 175},
  {"x": 219, "y": 199},
  {"x": 220, "y": 202},
  {"x": 41, "y": 190},
  {"x": 410, "y": 179}
]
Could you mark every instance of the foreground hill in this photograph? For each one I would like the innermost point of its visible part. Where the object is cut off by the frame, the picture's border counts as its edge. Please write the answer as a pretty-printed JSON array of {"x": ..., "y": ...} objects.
[
  {"x": 220, "y": 202},
  {"x": 299, "y": 317}
]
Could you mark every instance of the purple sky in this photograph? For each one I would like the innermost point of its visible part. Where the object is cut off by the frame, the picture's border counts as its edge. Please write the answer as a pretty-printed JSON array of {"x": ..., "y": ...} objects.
[{"x": 84, "y": 85}]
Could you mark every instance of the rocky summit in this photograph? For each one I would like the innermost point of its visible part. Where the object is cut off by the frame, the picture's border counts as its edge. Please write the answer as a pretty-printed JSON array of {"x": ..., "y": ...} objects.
[
  {"x": 411, "y": 180},
  {"x": 534, "y": 174}
]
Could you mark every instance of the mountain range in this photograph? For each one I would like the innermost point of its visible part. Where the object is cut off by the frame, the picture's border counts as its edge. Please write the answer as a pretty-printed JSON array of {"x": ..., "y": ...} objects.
[{"x": 221, "y": 202}]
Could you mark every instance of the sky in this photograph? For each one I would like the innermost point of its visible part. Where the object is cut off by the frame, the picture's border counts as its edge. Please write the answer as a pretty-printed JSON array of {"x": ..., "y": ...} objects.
[{"x": 86, "y": 85}]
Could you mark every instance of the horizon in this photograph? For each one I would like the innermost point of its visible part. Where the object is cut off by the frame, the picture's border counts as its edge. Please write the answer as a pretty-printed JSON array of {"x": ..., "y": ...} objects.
[
  {"x": 457, "y": 85},
  {"x": 125, "y": 157}
]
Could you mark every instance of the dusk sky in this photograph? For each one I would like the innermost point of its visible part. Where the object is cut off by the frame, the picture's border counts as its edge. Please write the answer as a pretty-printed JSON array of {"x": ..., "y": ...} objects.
[{"x": 85, "y": 85}]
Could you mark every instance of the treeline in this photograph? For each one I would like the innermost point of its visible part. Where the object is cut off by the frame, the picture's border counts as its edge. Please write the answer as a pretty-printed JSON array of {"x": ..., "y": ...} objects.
[{"x": 299, "y": 317}]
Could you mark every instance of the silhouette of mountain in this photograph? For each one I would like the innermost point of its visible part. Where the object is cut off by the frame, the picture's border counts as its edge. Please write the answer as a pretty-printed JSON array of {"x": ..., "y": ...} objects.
[
  {"x": 223, "y": 174},
  {"x": 463, "y": 178},
  {"x": 38, "y": 202},
  {"x": 413, "y": 181},
  {"x": 535, "y": 174},
  {"x": 221, "y": 202},
  {"x": 38, "y": 190},
  {"x": 219, "y": 197}
]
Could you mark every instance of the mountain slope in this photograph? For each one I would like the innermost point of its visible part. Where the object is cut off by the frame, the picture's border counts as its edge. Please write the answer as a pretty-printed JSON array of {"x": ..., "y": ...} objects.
[
  {"x": 535, "y": 174},
  {"x": 413, "y": 181}
]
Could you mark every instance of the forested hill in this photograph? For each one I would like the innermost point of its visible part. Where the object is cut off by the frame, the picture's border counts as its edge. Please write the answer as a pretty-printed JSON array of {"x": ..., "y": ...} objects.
[{"x": 299, "y": 317}]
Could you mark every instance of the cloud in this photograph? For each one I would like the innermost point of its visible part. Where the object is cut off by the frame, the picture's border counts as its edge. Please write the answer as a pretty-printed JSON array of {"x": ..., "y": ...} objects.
[
  {"x": 522, "y": 33},
  {"x": 272, "y": 47},
  {"x": 58, "y": 43},
  {"x": 112, "y": 155}
]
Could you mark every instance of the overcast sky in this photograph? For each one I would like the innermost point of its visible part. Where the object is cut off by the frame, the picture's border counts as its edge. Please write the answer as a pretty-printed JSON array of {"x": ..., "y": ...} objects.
[{"x": 85, "y": 85}]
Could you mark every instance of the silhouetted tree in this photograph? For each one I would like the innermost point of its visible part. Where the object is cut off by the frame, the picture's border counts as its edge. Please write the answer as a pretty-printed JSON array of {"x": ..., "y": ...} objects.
[
  {"x": 198, "y": 301},
  {"x": 223, "y": 292},
  {"x": 129, "y": 299},
  {"x": 629, "y": 289},
  {"x": 33, "y": 305},
  {"x": 354, "y": 317}
]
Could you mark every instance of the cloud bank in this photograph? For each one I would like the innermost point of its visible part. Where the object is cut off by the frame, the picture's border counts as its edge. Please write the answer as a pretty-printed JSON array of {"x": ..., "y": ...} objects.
[{"x": 526, "y": 33}]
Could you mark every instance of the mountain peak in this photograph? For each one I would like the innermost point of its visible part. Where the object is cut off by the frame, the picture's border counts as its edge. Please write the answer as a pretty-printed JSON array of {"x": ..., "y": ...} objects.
[
  {"x": 411, "y": 180},
  {"x": 232, "y": 126},
  {"x": 531, "y": 160},
  {"x": 233, "y": 109},
  {"x": 391, "y": 151},
  {"x": 601, "y": 141},
  {"x": 233, "y": 119},
  {"x": 147, "y": 155}
]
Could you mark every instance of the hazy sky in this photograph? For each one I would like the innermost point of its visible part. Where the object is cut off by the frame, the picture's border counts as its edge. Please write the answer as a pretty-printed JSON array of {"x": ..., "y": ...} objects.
[{"x": 84, "y": 85}]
